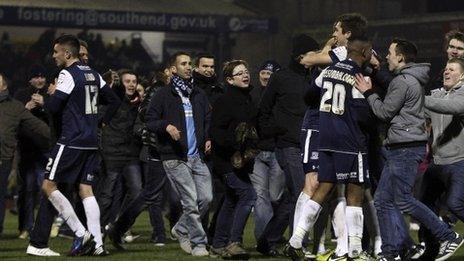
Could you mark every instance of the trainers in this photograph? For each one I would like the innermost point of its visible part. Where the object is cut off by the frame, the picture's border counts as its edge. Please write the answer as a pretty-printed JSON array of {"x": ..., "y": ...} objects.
[
  {"x": 200, "y": 250},
  {"x": 448, "y": 247},
  {"x": 99, "y": 251},
  {"x": 82, "y": 245},
  {"x": 34, "y": 251},
  {"x": 216, "y": 251},
  {"x": 319, "y": 257},
  {"x": 296, "y": 254},
  {"x": 335, "y": 257},
  {"x": 115, "y": 238},
  {"x": 130, "y": 237},
  {"x": 24, "y": 234},
  {"x": 184, "y": 241},
  {"x": 415, "y": 252},
  {"x": 235, "y": 251},
  {"x": 158, "y": 241},
  {"x": 383, "y": 258}
]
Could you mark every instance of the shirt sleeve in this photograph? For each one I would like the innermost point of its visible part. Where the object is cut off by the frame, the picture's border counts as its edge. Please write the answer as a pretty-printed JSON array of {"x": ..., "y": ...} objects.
[
  {"x": 338, "y": 54},
  {"x": 65, "y": 82},
  {"x": 102, "y": 82}
]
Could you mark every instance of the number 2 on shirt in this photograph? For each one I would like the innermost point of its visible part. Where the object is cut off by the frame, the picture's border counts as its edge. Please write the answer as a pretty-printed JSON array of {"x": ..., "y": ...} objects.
[{"x": 337, "y": 94}]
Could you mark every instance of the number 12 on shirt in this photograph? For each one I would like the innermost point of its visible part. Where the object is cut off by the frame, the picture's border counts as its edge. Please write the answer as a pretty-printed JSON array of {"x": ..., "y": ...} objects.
[{"x": 91, "y": 95}]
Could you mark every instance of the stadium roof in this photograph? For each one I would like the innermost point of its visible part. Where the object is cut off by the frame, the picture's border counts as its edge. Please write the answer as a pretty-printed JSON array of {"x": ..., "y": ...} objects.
[{"x": 201, "y": 7}]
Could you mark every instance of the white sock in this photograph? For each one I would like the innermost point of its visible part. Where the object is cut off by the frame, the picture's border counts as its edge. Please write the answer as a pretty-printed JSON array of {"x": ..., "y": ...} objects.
[
  {"x": 309, "y": 213},
  {"x": 340, "y": 229},
  {"x": 302, "y": 199},
  {"x": 61, "y": 203},
  {"x": 375, "y": 223},
  {"x": 321, "y": 248},
  {"x": 354, "y": 221},
  {"x": 92, "y": 213}
]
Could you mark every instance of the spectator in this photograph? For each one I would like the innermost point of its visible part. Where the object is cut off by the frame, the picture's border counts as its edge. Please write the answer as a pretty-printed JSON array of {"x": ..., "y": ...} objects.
[
  {"x": 234, "y": 147},
  {"x": 180, "y": 116}
]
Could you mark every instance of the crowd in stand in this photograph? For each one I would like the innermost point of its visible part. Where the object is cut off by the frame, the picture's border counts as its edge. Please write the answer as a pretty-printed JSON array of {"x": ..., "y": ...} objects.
[{"x": 337, "y": 131}]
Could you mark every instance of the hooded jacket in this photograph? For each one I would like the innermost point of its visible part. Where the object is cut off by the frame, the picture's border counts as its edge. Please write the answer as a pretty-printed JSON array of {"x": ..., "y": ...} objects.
[
  {"x": 403, "y": 106},
  {"x": 445, "y": 109}
]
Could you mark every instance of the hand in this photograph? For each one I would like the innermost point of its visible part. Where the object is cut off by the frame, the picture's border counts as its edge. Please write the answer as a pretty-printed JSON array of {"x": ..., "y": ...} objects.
[
  {"x": 331, "y": 42},
  {"x": 51, "y": 89},
  {"x": 31, "y": 105},
  {"x": 375, "y": 62},
  {"x": 37, "y": 98},
  {"x": 362, "y": 84},
  {"x": 173, "y": 131},
  {"x": 208, "y": 147}
]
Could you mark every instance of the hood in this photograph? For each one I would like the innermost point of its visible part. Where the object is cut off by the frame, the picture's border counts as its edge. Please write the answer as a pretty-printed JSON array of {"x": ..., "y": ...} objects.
[{"x": 420, "y": 71}]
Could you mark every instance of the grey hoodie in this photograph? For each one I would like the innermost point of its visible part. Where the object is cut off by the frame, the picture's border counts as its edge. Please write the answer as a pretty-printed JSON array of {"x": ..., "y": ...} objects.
[
  {"x": 403, "y": 106},
  {"x": 445, "y": 109}
]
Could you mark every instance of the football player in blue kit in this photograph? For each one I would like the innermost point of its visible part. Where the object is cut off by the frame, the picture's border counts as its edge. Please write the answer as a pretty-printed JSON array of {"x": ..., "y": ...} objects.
[
  {"x": 342, "y": 144},
  {"x": 74, "y": 158}
]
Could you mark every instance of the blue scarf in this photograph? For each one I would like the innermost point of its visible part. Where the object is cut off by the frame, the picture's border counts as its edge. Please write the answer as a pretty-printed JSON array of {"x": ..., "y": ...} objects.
[{"x": 185, "y": 87}]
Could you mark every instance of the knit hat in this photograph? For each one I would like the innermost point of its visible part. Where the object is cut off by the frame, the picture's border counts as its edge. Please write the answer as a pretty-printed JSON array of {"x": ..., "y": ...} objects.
[
  {"x": 302, "y": 44},
  {"x": 36, "y": 70},
  {"x": 270, "y": 65}
]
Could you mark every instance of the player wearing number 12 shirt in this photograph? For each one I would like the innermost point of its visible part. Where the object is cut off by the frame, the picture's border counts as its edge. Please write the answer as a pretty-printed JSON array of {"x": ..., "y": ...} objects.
[{"x": 74, "y": 158}]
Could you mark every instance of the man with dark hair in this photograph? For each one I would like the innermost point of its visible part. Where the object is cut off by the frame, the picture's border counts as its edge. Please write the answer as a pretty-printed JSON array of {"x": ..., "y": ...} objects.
[
  {"x": 33, "y": 160},
  {"x": 281, "y": 113},
  {"x": 403, "y": 108},
  {"x": 84, "y": 51},
  {"x": 205, "y": 77},
  {"x": 344, "y": 115},
  {"x": 180, "y": 116},
  {"x": 120, "y": 151},
  {"x": 74, "y": 158},
  {"x": 454, "y": 49},
  {"x": 345, "y": 27}
]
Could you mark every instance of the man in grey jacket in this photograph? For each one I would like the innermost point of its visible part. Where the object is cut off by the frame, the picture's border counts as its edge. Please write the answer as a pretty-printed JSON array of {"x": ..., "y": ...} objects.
[
  {"x": 406, "y": 145},
  {"x": 445, "y": 108}
]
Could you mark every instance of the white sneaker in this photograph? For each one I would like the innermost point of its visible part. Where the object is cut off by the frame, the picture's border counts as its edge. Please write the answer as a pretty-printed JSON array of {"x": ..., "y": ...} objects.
[
  {"x": 200, "y": 251},
  {"x": 34, "y": 251},
  {"x": 184, "y": 241}
]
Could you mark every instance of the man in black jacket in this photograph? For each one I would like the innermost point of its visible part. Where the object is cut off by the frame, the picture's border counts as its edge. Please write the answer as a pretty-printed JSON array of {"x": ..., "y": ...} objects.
[
  {"x": 180, "y": 116},
  {"x": 33, "y": 160},
  {"x": 282, "y": 109},
  {"x": 205, "y": 78}
]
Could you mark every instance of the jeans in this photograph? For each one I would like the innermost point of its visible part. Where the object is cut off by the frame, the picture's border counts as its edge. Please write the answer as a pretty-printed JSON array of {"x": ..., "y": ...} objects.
[
  {"x": 125, "y": 174},
  {"x": 192, "y": 181},
  {"x": 154, "y": 182},
  {"x": 5, "y": 169},
  {"x": 394, "y": 195},
  {"x": 268, "y": 180},
  {"x": 446, "y": 178},
  {"x": 31, "y": 175},
  {"x": 239, "y": 200}
]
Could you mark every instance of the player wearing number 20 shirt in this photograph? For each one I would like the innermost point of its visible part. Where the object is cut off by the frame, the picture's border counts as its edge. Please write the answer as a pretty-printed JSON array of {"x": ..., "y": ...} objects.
[{"x": 343, "y": 116}]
